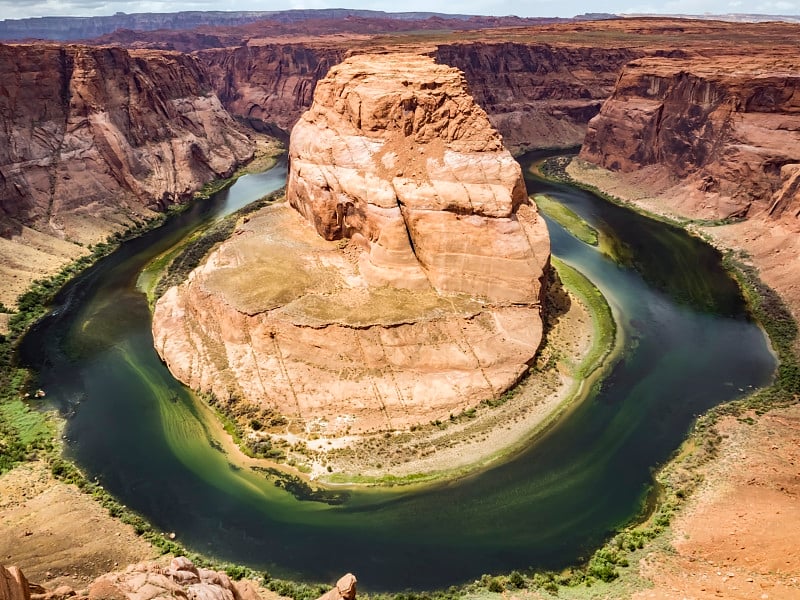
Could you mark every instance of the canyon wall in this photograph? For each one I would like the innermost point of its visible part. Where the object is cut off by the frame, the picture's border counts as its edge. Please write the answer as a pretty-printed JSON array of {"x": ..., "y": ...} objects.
[
  {"x": 405, "y": 287},
  {"x": 714, "y": 138},
  {"x": 92, "y": 139},
  {"x": 89, "y": 133},
  {"x": 536, "y": 94},
  {"x": 726, "y": 130},
  {"x": 269, "y": 84}
]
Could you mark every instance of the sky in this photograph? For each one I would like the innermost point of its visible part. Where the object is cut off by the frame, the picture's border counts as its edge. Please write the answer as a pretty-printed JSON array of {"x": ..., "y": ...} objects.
[{"x": 16, "y": 9}]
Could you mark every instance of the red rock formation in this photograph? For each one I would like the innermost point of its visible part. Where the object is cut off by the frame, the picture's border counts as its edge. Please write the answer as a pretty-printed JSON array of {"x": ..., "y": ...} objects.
[
  {"x": 345, "y": 589},
  {"x": 13, "y": 585},
  {"x": 432, "y": 306},
  {"x": 727, "y": 129},
  {"x": 394, "y": 153},
  {"x": 180, "y": 580},
  {"x": 269, "y": 83},
  {"x": 537, "y": 94},
  {"x": 90, "y": 135}
]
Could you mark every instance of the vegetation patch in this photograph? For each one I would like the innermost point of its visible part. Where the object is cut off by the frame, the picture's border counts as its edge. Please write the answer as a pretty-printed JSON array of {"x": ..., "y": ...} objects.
[
  {"x": 302, "y": 490},
  {"x": 605, "y": 328},
  {"x": 567, "y": 218}
]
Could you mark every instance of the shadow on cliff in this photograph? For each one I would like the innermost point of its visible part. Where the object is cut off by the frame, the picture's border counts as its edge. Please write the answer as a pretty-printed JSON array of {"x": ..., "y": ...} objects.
[{"x": 557, "y": 302}]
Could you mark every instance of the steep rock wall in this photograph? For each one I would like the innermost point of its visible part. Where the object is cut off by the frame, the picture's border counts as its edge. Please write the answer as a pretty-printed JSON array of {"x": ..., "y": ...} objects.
[
  {"x": 727, "y": 131},
  {"x": 538, "y": 95},
  {"x": 535, "y": 94},
  {"x": 396, "y": 154},
  {"x": 95, "y": 135},
  {"x": 269, "y": 84}
]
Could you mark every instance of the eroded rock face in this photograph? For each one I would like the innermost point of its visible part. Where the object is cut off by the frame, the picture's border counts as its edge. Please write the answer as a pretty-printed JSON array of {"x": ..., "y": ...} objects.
[
  {"x": 396, "y": 155},
  {"x": 269, "y": 84},
  {"x": 13, "y": 585},
  {"x": 407, "y": 291},
  {"x": 726, "y": 129},
  {"x": 345, "y": 589},
  {"x": 537, "y": 94},
  {"x": 91, "y": 136}
]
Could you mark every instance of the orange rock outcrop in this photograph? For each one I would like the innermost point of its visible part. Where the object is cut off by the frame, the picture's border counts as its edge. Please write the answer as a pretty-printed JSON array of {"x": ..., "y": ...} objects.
[
  {"x": 409, "y": 291},
  {"x": 725, "y": 129},
  {"x": 395, "y": 155},
  {"x": 181, "y": 579}
]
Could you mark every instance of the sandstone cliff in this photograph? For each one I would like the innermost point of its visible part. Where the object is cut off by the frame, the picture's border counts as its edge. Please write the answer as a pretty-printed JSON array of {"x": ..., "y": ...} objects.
[
  {"x": 724, "y": 130},
  {"x": 423, "y": 297},
  {"x": 535, "y": 94},
  {"x": 716, "y": 138},
  {"x": 88, "y": 131},
  {"x": 269, "y": 84},
  {"x": 538, "y": 94},
  {"x": 94, "y": 138}
]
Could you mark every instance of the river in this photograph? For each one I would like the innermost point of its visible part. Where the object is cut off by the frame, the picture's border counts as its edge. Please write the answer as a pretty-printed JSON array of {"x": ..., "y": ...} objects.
[{"x": 688, "y": 346}]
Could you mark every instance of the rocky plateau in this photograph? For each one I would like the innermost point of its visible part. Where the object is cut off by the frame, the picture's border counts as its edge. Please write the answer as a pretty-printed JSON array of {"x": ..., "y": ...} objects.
[{"x": 410, "y": 275}]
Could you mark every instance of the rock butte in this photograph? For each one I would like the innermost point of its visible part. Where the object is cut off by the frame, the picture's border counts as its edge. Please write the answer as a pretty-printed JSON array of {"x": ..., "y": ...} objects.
[{"x": 411, "y": 289}]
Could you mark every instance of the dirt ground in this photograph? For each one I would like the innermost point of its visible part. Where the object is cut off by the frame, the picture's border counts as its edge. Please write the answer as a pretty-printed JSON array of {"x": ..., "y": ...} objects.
[
  {"x": 739, "y": 535},
  {"x": 59, "y": 536}
]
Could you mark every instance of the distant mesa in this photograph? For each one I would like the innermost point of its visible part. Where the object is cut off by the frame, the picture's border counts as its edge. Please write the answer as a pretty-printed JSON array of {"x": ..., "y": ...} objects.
[{"x": 403, "y": 286}]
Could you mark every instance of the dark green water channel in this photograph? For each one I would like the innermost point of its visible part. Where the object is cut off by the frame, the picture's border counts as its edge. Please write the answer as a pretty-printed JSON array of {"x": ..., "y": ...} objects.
[{"x": 688, "y": 347}]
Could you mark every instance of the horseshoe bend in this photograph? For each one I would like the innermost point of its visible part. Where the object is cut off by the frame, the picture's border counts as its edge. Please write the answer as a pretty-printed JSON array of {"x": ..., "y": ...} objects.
[
  {"x": 362, "y": 326},
  {"x": 400, "y": 283}
]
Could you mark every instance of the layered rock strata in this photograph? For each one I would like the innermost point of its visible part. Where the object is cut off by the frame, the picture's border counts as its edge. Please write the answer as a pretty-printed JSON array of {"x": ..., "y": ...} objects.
[
  {"x": 409, "y": 290},
  {"x": 538, "y": 94},
  {"x": 535, "y": 94},
  {"x": 715, "y": 139},
  {"x": 94, "y": 139},
  {"x": 269, "y": 84},
  {"x": 94, "y": 135},
  {"x": 725, "y": 130}
]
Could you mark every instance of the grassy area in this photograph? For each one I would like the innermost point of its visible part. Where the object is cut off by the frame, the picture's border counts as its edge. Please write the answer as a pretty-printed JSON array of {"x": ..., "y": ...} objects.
[{"x": 568, "y": 219}]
